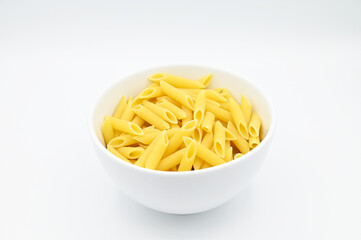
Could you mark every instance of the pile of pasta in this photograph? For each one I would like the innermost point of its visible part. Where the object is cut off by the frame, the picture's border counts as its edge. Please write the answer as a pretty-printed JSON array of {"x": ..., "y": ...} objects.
[{"x": 176, "y": 124}]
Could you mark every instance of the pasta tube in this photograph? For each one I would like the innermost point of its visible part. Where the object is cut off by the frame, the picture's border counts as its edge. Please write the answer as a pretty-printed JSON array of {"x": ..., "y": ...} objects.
[
  {"x": 171, "y": 161},
  {"x": 177, "y": 139},
  {"x": 255, "y": 125},
  {"x": 177, "y": 95},
  {"x": 237, "y": 155},
  {"x": 188, "y": 157},
  {"x": 120, "y": 108},
  {"x": 199, "y": 107},
  {"x": 116, "y": 153},
  {"x": 240, "y": 142},
  {"x": 128, "y": 114},
  {"x": 107, "y": 130},
  {"x": 219, "y": 139},
  {"x": 238, "y": 118},
  {"x": 147, "y": 138},
  {"x": 122, "y": 141},
  {"x": 138, "y": 120},
  {"x": 207, "y": 124},
  {"x": 163, "y": 113},
  {"x": 207, "y": 142},
  {"x": 131, "y": 152},
  {"x": 197, "y": 134},
  {"x": 151, "y": 92},
  {"x": 229, "y": 154},
  {"x": 176, "y": 81},
  {"x": 246, "y": 108},
  {"x": 126, "y": 126},
  {"x": 206, "y": 80},
  {"x": 220, "y": 113},
  {"x": 178, "y": 112},
  {"x": 188, "y": 115},
  {"x": 253, "y": 141},
  {"x": 161, "y": 144},
  {"x": 151, "y": 117}
]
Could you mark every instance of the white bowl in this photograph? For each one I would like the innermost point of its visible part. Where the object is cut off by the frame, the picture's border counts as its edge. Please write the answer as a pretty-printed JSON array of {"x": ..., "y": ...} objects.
[{"x": 192, "y": 191}]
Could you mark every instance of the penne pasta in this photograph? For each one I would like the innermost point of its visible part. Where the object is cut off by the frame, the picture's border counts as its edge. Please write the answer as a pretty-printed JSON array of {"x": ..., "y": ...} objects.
[
  {"x": 177, "y": 139},
  {"x": 253, "y": 141},
  {"x": 206, "y": 80},
  {"x": 171, "y": 100},
  {"x": 207, "y": 124},
  {"x": 142, "y": 159},
  {"x": 138, "y": 120},
  {"x": 131, "y": 152},
  {"x": 246, "y": 108},
  {"x": 151, "y": 117},
  {"x": 149, "y": 137},
  {"x": 151, "y": 92},
  {"x": 116, "y": 153},
  {"x": 161, "y": 144},
  {"x": 122, "y": 141},
  {"x": 204, "y": 153},
  {"x": 240, "y": 142},
  {"x": 219, "y": 140},
  {"x": 219, "y": 113},
  {"x": 193, "y": 95},
  {"x": 120, "y": 108},
  {"x": 107, "y": 130},
  {"x": 163, "y": 113},
  {"x": 178, "y": 112},
  {"x": 125, "y": 126},
  {"x": 174, "y": 126},
  {"x": 237, "y": 155},
  {"x": 229, "y": 154},
  {"x": 175, "y": 81},
  {"x": 128, "y": 114},
  {"x": 238, "y": 119},
  {"x": 207, "y": 142},
  {"x": 199, "y": 107},
  {"x": 211, "y": 94},
  {"x": 188, "y": 157},
  {"x": 225, "y": 106},
  {"x": 171, "y": 161},
  {"x": 188, "y": 115},
  {"x": 177, "y": 95},
  {"x": 197, "y": 134},
  {"x": 255, "y": 125},
  {"x": 205, "y": 165}
]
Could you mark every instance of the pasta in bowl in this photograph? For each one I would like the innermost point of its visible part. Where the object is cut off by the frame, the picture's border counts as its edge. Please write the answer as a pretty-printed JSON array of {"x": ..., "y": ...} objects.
[{"x": 188, "y": 141}]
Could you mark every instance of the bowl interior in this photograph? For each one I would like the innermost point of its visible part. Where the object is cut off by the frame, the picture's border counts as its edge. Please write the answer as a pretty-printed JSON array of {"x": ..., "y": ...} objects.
[{"x": 132, "y": 85}]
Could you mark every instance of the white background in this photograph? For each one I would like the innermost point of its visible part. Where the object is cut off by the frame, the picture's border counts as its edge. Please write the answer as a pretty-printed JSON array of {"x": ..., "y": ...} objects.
[{"x": 56, "y": 57}]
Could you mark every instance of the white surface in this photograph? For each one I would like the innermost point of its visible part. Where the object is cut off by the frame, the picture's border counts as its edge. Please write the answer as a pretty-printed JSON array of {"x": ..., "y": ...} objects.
[
  {"x": 56, "y": 57},
  {"x": 191, "y": 191}
]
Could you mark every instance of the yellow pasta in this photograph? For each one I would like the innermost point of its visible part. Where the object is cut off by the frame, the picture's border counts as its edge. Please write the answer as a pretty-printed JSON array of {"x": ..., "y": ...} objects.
[
  {"x": 171, "y": 161},
  {"x": 116, "y": 153},
  {"x": 176, "y": 81},
  {"x": 220, "y": 113},
  {"x": 253, "y": 141},
  {"x": 240, "y": 142},
  {"x": 206, "y": 80},
  {"x": 177, "y": 139},
  {"x": 188, "y": 115},
  {"x": 151, "y": 92},
  {"x": 219, "y": 139},
  {"x": 178, "y": 112},
  {"x": 128, "y": 114},
  {"x": 131, "y": 152},
  {"x": 138, "y": 120},
  {"x": 157, "y": 152},
  {"x": 151, "y": 117},
  {"x": 207, "y": 124},
  {"x": 246, "y": 108},
  {"x": 207, "y": 142},
  {"x": 255, "y": 125},
  {"x": 238, "y": 118},
  {"x": 197, "y": 134},
  {"x": 188, "y": 157},
  {"x": 199, "y": 107},
  {"x": 163, "y": 113},
  {"x": 107, "y": 130},
  {"x": 122, "y": 141},
  {"x": 229, "y": 154},
  {"x": 125, "y": 126},
  {"x": 215, "y": 129},
  {"x": 120, "y": 108},
  {"x": 177, "y": 95},
  {"x": 204, "y": 153}
]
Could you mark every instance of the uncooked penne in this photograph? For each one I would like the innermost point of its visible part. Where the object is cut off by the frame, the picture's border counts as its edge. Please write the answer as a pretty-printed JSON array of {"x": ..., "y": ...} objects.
[
  {"x": 206, "y": 80},
  {"x": 120, "y": 108},
  {"x": 178, "y": 112},
  {"x": 219, "y": 139},
  {"x": 255, "y": 125},
  {"x": 131, "y": 152},
  {"x": 207, "y": 142},
  {"x": 197, "y": 134},
  {"x": 229, "y": 154},
  {"x": 116, "y": 153},
  {"x": 208, "y": 121},
  {"x": 199, "y": 107},
  {"x": 126, "y": 126},
  {"x": 163, "y": 113},
  {"x": 188, "y": 157},
  {"x": 171, "y": 161},
  {"x": 128, "y": 114},
  {"x": 151, "y": 117},
  {"x": 138, "y": 120},
  {"x": 220, "y": 113},
  {"x": 240, "y": 142},
  {"x": 177, "y": 95},
  {"x": 122, "y": 141},
  {"x": 188, "y": 117},
  {"x": 151, "y": 92},
  {"x": 238, "y": 118},
  {"x": 246, "y": 108},
  {"x": 253, "y": 141},
  {"x": 176, "y": 81},
  {"x": 107, "y": 130},
  {"x": 158, "y": 150}
]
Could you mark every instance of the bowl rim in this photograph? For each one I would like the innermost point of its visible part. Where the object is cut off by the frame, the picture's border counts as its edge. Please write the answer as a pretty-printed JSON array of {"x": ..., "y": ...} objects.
[{"x": 239, "y": 160}]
